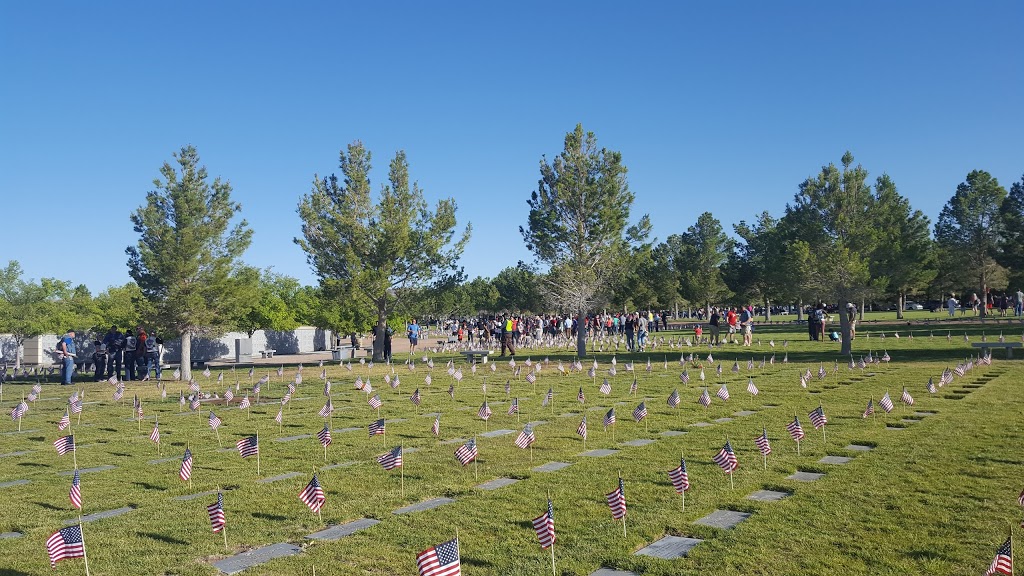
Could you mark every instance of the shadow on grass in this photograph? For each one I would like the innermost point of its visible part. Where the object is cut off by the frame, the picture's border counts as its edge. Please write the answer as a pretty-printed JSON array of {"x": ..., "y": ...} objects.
[
  {"x": 162, "y": 538},
  {"x": 148, "y": 486},
  {"x": 265, "y": 516},
  {"x": 10, "y": 572},
  {"x": 48, "y": 506}
]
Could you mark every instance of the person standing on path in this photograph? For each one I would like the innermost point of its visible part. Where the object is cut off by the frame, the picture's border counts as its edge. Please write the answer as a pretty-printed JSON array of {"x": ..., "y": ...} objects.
[{"x": 414, "y": 335}]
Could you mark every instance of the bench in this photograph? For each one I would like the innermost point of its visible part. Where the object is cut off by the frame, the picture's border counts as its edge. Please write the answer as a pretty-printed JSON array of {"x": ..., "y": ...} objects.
[
  {"x": 472, "y": 354},
  {"x": 342, "y": 352},
  {"x": 1008, "y": 345},
  {"x": 268, "y": 353}
]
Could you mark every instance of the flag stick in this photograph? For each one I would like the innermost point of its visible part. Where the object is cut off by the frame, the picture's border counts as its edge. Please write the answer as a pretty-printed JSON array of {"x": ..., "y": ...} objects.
[
  {"x": 85, "y": 556},
  {"x": 74, "y": 453},
  {"x": 325, "y": 453},
  {"x": 217, "y": 431},
  {"x": 765, "y": 461},
  {"x": 797, "y": 447},
  {"x": 623, "y": 516},
  {"x": 257, "y": 453},
  {"x": 402, "y": 470},
  {"x": 190, "y": 475},
  {"x": 731, "y": 485}
]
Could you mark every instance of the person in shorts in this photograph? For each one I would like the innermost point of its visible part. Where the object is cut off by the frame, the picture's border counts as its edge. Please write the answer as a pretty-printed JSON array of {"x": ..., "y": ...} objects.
[{"x": 413, "y": 331}]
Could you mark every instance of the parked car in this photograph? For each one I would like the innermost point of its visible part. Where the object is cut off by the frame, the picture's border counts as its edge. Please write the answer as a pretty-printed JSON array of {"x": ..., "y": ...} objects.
[{"x": 911, "y": 305}]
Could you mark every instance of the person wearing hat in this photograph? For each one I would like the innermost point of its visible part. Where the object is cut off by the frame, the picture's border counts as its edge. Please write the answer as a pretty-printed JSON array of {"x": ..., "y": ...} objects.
[{"x": 66, "y": 352}]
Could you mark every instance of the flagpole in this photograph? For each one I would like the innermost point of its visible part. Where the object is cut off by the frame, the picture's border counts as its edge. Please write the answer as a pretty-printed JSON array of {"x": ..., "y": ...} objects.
[
  {"x": 85, "y": 556},
  {"x": 684, "y": 489},
  {"x": 257, "y": 453},
  {"x": 74, "y": 452},
  {"x": 190, "y": 474},
  {"x": 623, "y": 496},
  {"x": 553, "y": 572},
  {"x": 401, "y": 448},
  {"x": 224, "y": 527}
]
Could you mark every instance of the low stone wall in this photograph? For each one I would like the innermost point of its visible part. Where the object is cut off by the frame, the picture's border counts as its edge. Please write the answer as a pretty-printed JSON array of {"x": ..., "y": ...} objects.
[{"x": 305, "y": 339}]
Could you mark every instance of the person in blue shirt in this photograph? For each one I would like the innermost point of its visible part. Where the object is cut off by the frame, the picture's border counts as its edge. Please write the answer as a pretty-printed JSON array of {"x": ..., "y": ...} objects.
[
  {"x": 66, "y": 351},
  {"x": 414, "y": 335}
]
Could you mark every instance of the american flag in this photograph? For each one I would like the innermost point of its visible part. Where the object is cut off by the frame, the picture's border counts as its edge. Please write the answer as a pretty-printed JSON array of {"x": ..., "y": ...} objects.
[
  {"x": 582, "y": 429},
  {"x": 195, "y": 402},
  {"x": 249, "y": 446},
  {"x": 155, "y": 434},
  {"x": 193, "y": 386},
  {"x": 762, "y": 443},
  {"x": 605, "y": 388},
  {"x": 1003, "y": 562},
  {"x": 1020, "y": 499},
  {"x": 886, "y": 403},
  {"x": 415, "y": 398},
  {"x": 633, "y": 387},
  {"x": 609, "y": 418},
  {"x": 592, "y": 372},
  {"x": 458, "y": 375},
  {"x": 484, "y": 411},
  {"x": 220, "y": 377},
  {"x": 726, "y": 458},
  {"x": 440, "y": 560},
  {"x": 327, "y": 409},
  {"x": 374, "y": 401},
  {"x": 617, "y": 501},
  {"x": 298, "y": 378},
  {"x": 467, "y": 452},
  {"x": 177, "y": 374},
  {"x": 181, "y": 397},
  {"x": 228, "y": 395},
  {"x": 513, "y": 407},
  {"x": 259, "y": 384},
  {"x": 508, "y": 387},
  {"x": 702, "y": 377},
  {"x": 216, "y": 513},
  {"x": 324, "y": 435},
  {"x": 280, "y": 415},
  {"x": 673, "y": 399},
  {"x": 186, "y": 466},
  {"x": 544, "y": 526},
  {"x": 376, "y": 427},
  {"x": 65, "y": 421},
  {"x": 931, "y": 387},
  {"x": 76, "y": 491},
  {"x": 817, "y": 417},
  {"x": 359, "y": 383},
  {"x": 735, "y": 366},
  {"x": 705, "y": 398},
  {"x": 244, "y": 403},
  {"x": 76, "y": 405},
  {"x": 65, "y": 543},
  {"x": 451, "y": 391},
  {"x": 680, "y": 479},
  {"x": 581, "y": 397},
  {"x": 685, "y": 377},
  {"x": 640, "y": 412},
  {"x": 906, "y": 398},
  {"x": 531, "y": 378},
  {"x": 548, "y": 397},
  {"x": 280, "y": 371},
  {"x": 796, "y": 431},
  {"x": 313, "y": 495},
  {"x": 946, "y": 377},
  {"x": 112, "y": 380},
  {"x": 718, "y": 369},
  {"x": 206, "y": 372},
  {"x": 327, "y": 388},
  {"x": 526, "y": 437},
  {"x": 435, "y": 428},
  {"x": 214, "y": 420},
  {"x": 752, "y": 388},
  {"x": 869, "y": 410},
  {"x": 821, "y": 372},
  {"x": 64, "y": 445},
  {"x": 119, "y": 393},
  {"x": 723, "y": 393},
  {"x": 323, "y": 374}
]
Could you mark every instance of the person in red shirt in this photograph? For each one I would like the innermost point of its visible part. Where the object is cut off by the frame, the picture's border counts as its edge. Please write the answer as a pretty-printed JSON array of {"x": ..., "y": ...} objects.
[{"x": 731, "y": 319}]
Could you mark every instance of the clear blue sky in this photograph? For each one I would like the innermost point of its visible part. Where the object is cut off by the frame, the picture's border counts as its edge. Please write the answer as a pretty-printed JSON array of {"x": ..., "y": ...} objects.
[{"x": 719, "y": 106}]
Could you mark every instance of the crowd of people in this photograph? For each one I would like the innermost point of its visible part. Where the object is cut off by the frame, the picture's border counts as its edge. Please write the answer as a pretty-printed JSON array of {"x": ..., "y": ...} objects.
[
  {"x": 1004, "y": 304},
  {"x": 129, "y": 355}
]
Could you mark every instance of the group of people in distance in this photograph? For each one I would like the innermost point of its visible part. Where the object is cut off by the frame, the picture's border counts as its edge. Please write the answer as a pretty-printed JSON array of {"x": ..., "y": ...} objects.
[
  {"x": 1006, "y": 303},
  {"x": 137, "y": 353},
  {"x": 736, "y": 321}
]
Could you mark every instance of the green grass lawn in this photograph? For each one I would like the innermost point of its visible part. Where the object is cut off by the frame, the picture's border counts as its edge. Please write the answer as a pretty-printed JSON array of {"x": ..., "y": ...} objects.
[{"x": 935, "y": 496}]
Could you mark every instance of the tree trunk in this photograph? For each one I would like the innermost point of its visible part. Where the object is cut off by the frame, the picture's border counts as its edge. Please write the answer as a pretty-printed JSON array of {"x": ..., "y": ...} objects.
[
  {"x": 899, "y": 306},
  {"x": 19, "y": 351},
  {"x": 676, "y": 314},
  {"x": 984, "y": 297},
  {"x": 581, "y": 337},
  {"x": 862, "y": 308},
  {"x": 186, "y": 356},
  {"x": 800, "y": 310},
  {"x": 767, "y": 310},
  {"x": 378, "y": 336},
  {"x": 846, "y": 336}
]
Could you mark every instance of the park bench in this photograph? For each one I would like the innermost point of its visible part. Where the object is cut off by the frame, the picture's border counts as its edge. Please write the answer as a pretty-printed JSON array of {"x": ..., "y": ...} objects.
[
  {"x": 268, "y": 353},
  {"x": 1009, "y": 346},
  {"x": 471, "y": 356},
  {"x": 342, "y": 352}
]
